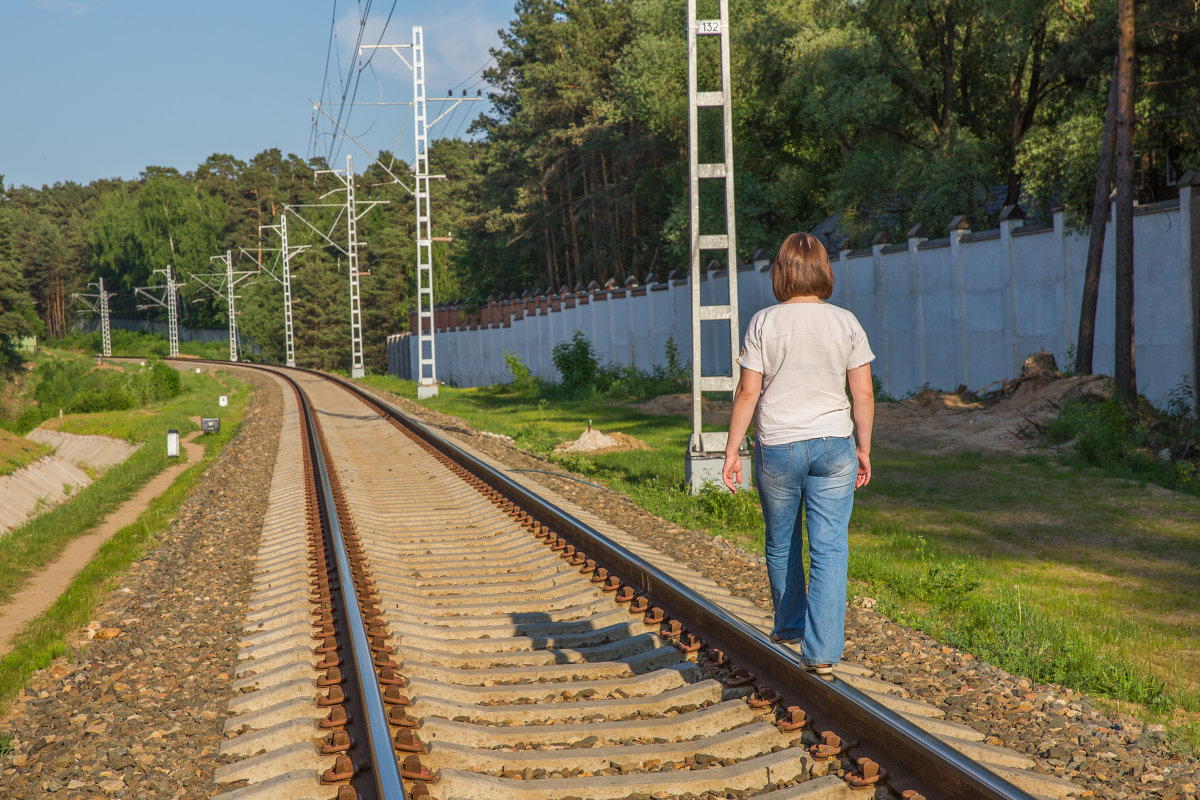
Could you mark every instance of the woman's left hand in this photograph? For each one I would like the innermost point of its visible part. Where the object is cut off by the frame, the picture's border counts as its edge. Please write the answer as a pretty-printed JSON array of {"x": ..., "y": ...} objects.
[
  {"x": 731, "y": 473},
  {"x": 864, "y": 470}
]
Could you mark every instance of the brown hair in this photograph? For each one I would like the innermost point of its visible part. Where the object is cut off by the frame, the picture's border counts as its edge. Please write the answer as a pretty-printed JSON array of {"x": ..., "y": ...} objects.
[{"x": 801, "y": 268}]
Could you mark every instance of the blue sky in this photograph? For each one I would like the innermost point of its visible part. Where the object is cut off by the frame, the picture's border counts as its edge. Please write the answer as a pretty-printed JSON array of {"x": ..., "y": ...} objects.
[{"x": 102, "y": 88}]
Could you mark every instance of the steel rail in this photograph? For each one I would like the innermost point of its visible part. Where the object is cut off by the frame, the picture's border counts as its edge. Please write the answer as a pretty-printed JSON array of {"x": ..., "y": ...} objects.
[
  {"x": 384, "y": 769},
  {"x": 912, "y": 757}
]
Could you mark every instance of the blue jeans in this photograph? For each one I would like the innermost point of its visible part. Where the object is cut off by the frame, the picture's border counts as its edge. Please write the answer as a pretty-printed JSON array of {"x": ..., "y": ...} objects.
[{"x": 814, "y": 479}]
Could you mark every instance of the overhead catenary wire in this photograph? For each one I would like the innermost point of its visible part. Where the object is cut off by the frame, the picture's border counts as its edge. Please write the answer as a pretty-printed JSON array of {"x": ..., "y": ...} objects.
[{"x": 350, "y": 81}]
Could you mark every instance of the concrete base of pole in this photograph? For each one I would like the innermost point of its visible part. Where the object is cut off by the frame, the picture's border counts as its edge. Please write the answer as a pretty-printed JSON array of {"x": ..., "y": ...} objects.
[
  {"x": 426, "y": 390},
  {"x": 705, "y": 459}
]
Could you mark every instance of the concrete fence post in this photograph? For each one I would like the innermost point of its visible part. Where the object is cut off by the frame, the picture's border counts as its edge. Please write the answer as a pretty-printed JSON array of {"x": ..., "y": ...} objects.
[
  {"x": 879, "y": 293},
  {"x": 917, "y": 234},
  {"x": 1189, "y": 216},
  {"x": 960, "y": 226},
  {"x": 1010, "y": 217},
  {"x": 1068, "y": 300}
]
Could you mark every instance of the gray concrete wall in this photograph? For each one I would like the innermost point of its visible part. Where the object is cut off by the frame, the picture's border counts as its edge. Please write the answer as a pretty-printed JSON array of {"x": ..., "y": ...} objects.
[{"x": 965, "y": 309}]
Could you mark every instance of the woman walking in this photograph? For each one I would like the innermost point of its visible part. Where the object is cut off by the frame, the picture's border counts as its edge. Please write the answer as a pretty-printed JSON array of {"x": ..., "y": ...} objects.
[{"x": 813, "y": 447}]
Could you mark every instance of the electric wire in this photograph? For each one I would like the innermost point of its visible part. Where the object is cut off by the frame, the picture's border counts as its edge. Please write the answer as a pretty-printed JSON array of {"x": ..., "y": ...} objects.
[
  {"x": 345, "y": 110},
  {"x": 312, "y": 136}
]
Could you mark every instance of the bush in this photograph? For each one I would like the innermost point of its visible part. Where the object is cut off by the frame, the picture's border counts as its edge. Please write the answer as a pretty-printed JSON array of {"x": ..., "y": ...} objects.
[
  {"x": 576, "y": 362},
  {"x": 156, "y": 383},
  {"x": 522, "y": 379},
  {"x": 730, "y": 510},
  {"x": 77, "y": 387},
  {"x": 1125, "y": 441}
]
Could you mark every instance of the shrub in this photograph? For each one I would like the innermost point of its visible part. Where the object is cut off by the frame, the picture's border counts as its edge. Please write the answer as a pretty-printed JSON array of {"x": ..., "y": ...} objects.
[
  {"x": 522, "y": 379},
  {"x": 576, "y": 362},
  {"x": 1113, "y": 435},
  {"x": 156, "y": 383}
]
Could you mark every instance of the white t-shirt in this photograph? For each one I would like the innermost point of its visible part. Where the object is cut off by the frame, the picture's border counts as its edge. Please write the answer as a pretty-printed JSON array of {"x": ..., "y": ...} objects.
[{"x": 803, "y": 351}]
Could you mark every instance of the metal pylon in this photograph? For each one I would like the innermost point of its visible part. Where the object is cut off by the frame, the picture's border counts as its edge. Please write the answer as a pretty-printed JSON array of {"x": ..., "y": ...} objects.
[
  {"x": 168, "y": 300},
  {"x": 222, "y": 284},
  {"x": 706, "y": 450},
  {"x": 105, "y": 326},
  {"x": 353, "y": 210},
  {"x": 426, "y": 354},
  {"x": 289, "y": 341},
  {"x": 98, "y": 304},
  {"x": 356, "y": 340},
  {"x": 233, "y": 353},
  {"x": 172, "y": 314}
]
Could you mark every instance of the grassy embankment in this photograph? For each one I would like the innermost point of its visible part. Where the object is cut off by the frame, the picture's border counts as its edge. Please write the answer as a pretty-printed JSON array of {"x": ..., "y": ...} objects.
[
  {"x": 28, "y": 548},
  {"x": 1061, "y": 573},
  {"x": 17, "y": 451}
]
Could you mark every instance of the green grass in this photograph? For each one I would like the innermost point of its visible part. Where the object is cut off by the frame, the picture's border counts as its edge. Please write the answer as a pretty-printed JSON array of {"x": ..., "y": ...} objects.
[
  {"x": 33, "y": 545},
  {"x": 1062, "y": 574},
  {"x": 17, "y": 451}
]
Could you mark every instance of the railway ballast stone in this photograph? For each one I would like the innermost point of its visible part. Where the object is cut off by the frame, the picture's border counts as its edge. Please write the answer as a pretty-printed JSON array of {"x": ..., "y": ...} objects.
[{"x": 140, "y": 715}]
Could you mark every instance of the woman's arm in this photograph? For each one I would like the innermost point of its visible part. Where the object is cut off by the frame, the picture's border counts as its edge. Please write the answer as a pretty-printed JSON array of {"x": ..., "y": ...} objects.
[
  {"x": 862, "y": 396},
  {"x": 745, "y": 400}
]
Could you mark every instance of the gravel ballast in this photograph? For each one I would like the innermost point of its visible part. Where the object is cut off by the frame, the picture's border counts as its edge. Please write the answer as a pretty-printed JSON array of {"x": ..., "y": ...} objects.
[{"x": 140, "y": 715}]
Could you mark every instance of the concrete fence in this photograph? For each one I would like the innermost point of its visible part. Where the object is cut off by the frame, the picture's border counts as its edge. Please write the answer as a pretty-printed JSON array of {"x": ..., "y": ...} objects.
[{"x": 965, "y": 308}]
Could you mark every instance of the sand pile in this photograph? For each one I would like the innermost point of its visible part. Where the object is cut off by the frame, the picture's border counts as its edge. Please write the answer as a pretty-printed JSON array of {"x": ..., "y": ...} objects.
[{"x": 592, "y": 441}]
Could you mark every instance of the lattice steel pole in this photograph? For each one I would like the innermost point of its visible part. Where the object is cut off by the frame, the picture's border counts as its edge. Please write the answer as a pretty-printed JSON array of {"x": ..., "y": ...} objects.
[
  {"x": 233, "y": 351},
  {"x": 172, "y": 314},
  {"x": 169, "y": 301},
  {"x": 426, "y": 353},
  {"x": 356, "y": 341},
  {"x": 289, "y": 341},
  {"x": 98, "y": 304},
  {"x": 706, "y": 451},
  {"x": 105, "y": 327},
  {"x": 427, "y": 385}
]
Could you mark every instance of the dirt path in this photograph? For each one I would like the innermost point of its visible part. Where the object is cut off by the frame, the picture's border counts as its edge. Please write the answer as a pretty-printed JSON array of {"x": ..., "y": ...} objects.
[{"x": 46, "y": 586}]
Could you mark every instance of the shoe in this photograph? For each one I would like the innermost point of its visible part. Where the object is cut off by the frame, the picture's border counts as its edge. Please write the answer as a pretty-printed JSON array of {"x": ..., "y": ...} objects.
[
  {"x": 819, "y": 669},
  {"x": 777, "y": 639}
]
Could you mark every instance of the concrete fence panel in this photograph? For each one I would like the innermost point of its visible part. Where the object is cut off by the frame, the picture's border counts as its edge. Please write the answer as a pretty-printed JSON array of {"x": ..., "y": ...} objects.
[{"x": 965, "y": 309}]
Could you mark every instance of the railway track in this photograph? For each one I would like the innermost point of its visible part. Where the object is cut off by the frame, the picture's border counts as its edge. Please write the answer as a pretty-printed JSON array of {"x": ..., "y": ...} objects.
[{"x": 425, "y": 625}]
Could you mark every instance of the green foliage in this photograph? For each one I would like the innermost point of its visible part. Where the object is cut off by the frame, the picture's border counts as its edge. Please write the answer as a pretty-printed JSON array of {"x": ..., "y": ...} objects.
[
  {"x": 1109, "y": 434},
  {"x": 74, "y": 385},
  {"x": 523, "y": 380},
  {"x": 537, "y": 437},
  {"x": 577, "y": 363},
  {"x": 920, "y": 585},
  {"x": 1059, "y": 166},
  {"x": 729, "y": 510},
  {"x": 583, "y": 375}
]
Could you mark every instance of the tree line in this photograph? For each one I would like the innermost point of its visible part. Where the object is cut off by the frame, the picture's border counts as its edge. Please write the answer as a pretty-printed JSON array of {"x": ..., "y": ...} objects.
[{"x": 885, "y": 112}]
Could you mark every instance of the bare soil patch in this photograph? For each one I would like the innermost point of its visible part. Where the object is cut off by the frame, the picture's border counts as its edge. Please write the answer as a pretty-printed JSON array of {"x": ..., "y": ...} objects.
[
  {"x": 944, "y": 422},
  {"x": 715, "y": 412}
]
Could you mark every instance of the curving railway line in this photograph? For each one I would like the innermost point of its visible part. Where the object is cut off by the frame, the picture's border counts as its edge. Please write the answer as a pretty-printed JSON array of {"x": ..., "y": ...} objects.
[{"x": 424, "y": 625}]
